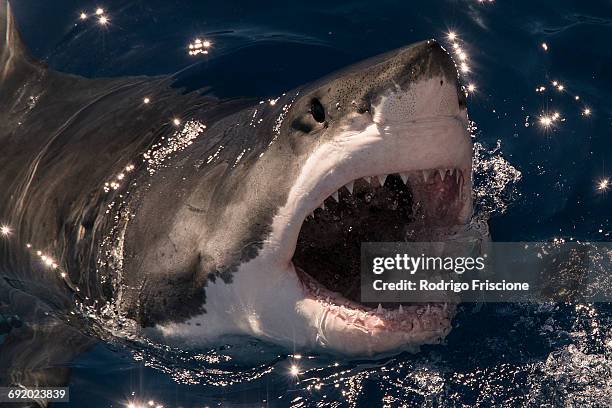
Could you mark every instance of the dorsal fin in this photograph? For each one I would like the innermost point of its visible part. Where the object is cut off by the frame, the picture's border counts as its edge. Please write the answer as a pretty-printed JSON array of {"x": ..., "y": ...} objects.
[{"x": 13, "y": 53}]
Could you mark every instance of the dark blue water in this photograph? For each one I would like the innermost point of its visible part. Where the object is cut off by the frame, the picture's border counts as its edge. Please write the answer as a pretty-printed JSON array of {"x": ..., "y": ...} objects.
[{"x": 497, "y": 355}]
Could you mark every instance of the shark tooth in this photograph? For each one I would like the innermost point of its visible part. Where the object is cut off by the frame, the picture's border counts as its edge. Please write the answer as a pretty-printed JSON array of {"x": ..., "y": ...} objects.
[
  {"x": 368, "y": 179},
  {"x": 401, "y": 309},
  {"x": 380, "y": 309},
  {"x": 404, "y": 177},
  {"x": 426, "y": 175},
  {"x": 335, "y": 195},
  {"x": 381, "y": 179},
  {"x": 442, "y": 174},
  {"x": 349, "y": 186}
]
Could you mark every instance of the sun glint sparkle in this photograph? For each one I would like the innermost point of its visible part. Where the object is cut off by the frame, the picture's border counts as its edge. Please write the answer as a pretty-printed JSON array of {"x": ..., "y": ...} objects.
[
  {"x": 546, "y": 121},
  {"x": 295, "y": 370},
  {"x": 198, "y": 46}
]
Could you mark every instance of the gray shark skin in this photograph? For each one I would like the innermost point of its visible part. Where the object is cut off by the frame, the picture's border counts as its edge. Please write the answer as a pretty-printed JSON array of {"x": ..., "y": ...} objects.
[{"x": 197, "y": 237}]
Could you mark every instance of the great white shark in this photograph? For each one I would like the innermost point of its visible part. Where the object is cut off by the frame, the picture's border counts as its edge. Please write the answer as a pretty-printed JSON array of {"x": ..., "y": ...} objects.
[{"x": 197, "y": 218}]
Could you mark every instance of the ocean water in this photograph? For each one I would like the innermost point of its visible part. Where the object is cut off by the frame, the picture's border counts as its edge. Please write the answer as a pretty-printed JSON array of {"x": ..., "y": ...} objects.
[{"x": 541, "y": 80}]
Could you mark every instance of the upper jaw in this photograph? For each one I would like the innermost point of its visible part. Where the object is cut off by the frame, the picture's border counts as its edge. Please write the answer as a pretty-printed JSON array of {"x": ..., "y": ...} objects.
[
  {"x": 423, "y": 148},
  {"x": 430, "y": 144}
]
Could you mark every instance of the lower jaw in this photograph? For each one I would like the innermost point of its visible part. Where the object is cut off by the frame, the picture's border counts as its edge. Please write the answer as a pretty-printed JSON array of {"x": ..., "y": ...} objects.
[
  {"x": 334, "y": 334},
  {"x": 350, "y": 327}
]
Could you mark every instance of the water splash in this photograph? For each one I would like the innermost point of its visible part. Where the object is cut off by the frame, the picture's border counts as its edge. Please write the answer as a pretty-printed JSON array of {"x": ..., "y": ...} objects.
[{"x": 495, "y": 181}]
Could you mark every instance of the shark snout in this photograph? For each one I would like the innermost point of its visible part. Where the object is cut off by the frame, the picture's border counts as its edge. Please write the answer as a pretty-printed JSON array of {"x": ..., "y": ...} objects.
[
  {"x": 420, "y": 83},
  {"x": 441, "y": 59},
  {"x": 424, "y": 59}
]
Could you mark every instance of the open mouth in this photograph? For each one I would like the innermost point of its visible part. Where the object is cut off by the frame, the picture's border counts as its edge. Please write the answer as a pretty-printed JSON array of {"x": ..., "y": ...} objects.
[{"x": 415, "y": 206}]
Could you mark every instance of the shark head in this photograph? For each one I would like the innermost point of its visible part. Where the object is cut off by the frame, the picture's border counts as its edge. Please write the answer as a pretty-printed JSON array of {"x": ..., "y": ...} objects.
[
  {"x": 377, "y": 152},
  {"x": 242, "y": 218}
]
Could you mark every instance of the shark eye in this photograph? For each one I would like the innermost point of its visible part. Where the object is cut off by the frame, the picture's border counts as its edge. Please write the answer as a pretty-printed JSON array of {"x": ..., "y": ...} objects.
[{"x": 317, "y": 110}]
